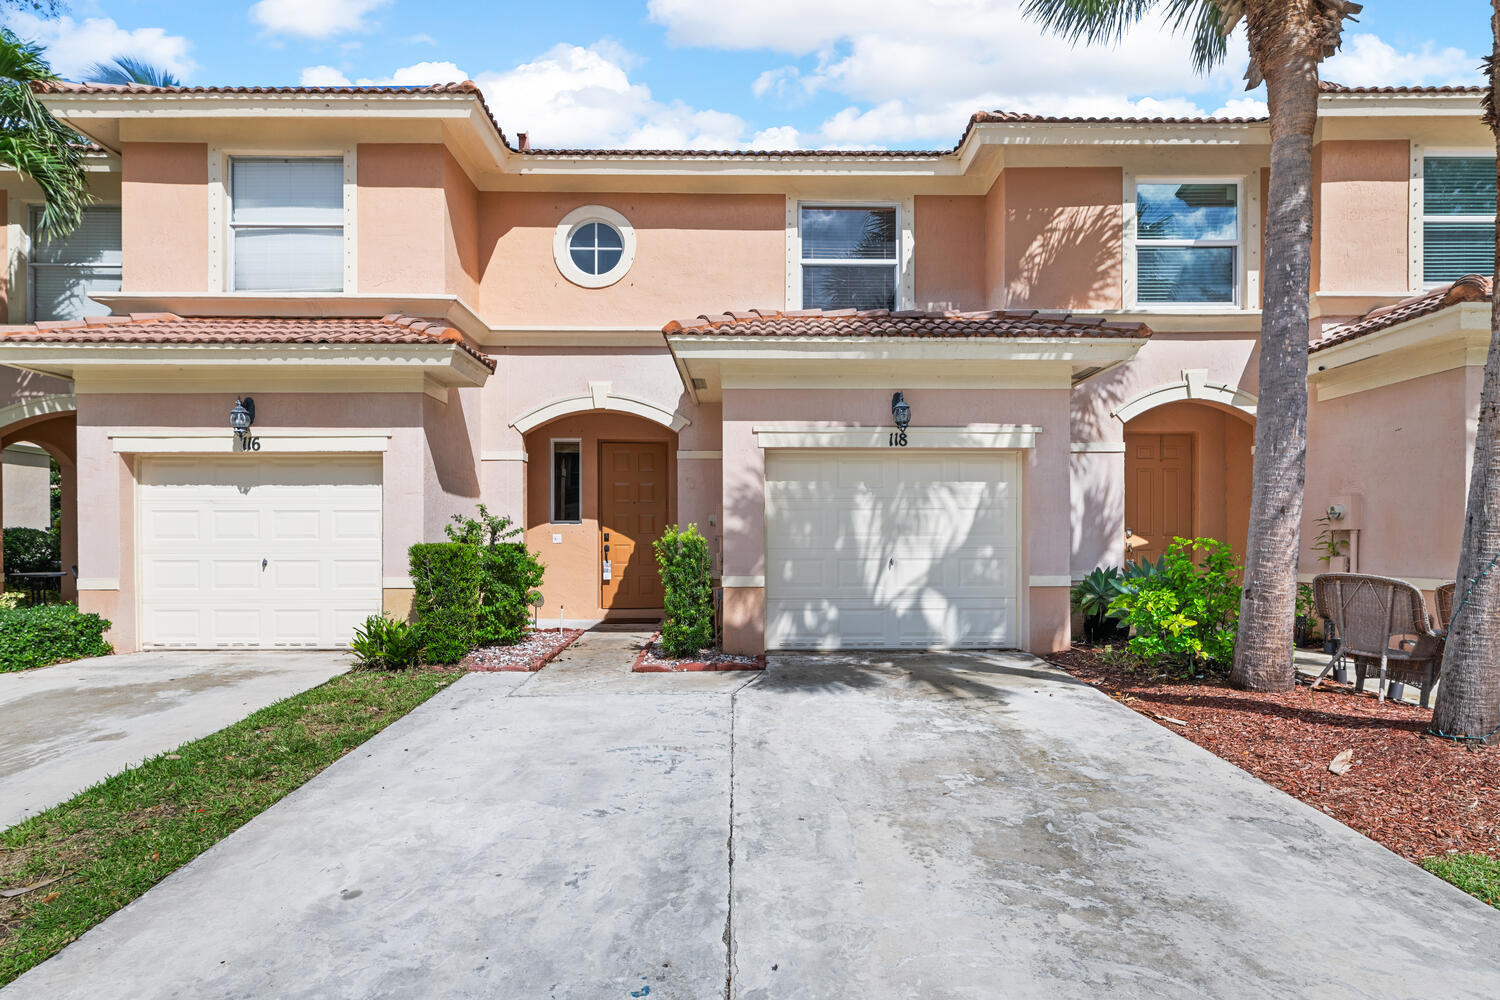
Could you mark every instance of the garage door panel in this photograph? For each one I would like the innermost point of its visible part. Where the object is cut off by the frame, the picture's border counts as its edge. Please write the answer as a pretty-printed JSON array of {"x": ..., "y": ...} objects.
[
  {"x": 915, "y": 549},
  {"x": 262, "y": 551}
]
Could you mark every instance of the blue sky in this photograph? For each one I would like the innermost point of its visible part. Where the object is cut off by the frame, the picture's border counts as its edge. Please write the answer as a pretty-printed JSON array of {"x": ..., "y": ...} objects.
[{"x": 721, "y": 74}]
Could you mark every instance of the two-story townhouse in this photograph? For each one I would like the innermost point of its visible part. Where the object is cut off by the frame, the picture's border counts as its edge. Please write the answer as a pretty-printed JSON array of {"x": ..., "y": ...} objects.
[{"x": 908, "y": 395}]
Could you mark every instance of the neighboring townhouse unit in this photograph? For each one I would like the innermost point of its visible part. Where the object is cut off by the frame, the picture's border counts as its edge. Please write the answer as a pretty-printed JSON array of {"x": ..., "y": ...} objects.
[{"x": 1063, "y": 313}]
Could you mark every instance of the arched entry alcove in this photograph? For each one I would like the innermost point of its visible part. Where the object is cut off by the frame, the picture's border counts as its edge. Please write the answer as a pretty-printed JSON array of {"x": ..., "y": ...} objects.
[{"x": 50, "y": 423}]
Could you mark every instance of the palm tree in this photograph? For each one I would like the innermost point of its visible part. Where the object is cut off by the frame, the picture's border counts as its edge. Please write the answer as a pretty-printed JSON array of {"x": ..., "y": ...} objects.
[
  {"x": 35, "y": 143},
  {"x": 1468, "y": 701},
  {"x": 129, "y": 69},
  {"x": 1288, "y": 38}
]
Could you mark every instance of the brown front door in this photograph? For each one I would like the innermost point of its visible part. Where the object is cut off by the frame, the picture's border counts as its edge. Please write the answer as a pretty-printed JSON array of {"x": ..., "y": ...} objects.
[
  {"x": 1158, "y": 490},
  {"x": 632, "y": 515}
]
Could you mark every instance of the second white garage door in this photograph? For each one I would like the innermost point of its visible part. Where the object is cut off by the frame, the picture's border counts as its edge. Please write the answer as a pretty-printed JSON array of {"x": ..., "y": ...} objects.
[
  {"x": 251, "y": 551},
  {"x": 870, "y": 549}
]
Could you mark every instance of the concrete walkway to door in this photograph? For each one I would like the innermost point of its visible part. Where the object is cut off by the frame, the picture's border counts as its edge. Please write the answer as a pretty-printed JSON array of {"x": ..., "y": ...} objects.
[
  {"x": 902, "y": 825},
  {"x": 69, "y": 726}
]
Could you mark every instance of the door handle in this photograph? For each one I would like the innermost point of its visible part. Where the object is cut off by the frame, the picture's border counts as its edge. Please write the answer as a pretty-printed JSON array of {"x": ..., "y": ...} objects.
[{"x": 263, "y": 563}]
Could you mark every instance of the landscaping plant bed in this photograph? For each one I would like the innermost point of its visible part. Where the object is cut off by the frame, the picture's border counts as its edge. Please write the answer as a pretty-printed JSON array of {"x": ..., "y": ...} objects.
[
  {"x": 653, "y": 661},
  {"x": 1420, "y": 796},
  {"x": 531, "y": 653}
]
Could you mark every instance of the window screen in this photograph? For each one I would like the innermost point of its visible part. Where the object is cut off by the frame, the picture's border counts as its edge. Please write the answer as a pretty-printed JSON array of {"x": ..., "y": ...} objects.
[
  {"x": 287, "y": 219},
  {"x": 1458, "y": 217},
  {"x": 64, "y": 269}
]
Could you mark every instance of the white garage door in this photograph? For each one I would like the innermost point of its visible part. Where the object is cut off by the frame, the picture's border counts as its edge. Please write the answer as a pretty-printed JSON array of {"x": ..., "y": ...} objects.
[
  {"x": 250, "y": 551},
  {"x": 872, "y": 549}
]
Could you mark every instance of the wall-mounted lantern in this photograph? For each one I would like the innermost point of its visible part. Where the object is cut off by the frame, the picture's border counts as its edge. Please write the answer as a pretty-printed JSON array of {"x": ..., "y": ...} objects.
[
  {"x": 900, "y": 411},
  {"x": 242, "y": 415}
]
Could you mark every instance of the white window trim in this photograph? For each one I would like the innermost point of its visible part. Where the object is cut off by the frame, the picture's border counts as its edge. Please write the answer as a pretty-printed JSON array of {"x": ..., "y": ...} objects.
[
  {"x": 1246, "y": 263},
  {"x": 220, "y": 236},
  {"x": 1417, "y": 247},
  {"x": 563, "y": 235},
  {"x": 905, "y": 247},
  {"x": 552, "y": 479},
  {"x": 29, "y": 261}
]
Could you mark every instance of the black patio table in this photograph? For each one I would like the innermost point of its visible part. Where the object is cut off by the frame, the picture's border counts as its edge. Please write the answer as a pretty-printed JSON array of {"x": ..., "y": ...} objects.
[{"x": 38, "y": 582}]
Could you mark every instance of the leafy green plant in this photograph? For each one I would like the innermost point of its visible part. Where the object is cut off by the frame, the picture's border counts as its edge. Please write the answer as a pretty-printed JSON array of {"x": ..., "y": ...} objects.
[
  {"x": 47, "y": 634},
  {"x": 10, "y": 599},
  {"x": 32, "y": 550},
  {"x": 383, "y": 643},
  {"x": 446, "y": 580},
  {"x": 683, "y": 558},
  {"x": 1138, "y": 570},
  {"x": 1185, "y": 616},
  {"x": 1092, "y": 597},
  {"x": 1306, "y": 621},
  {"x": 1327, "y": 543},
  {"x": 510, "y": 574}
]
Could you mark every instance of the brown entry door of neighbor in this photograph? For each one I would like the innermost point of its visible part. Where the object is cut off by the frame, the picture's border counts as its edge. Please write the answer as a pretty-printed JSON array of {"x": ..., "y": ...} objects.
[
  {"x": 632, "y": 515},
  {"x": 1158, "y": 490}
]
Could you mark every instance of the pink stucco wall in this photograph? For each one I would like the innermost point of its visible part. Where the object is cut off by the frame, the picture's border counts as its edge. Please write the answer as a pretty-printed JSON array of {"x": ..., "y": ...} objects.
[
  {"x": 696, "y": 254},
  {"x": 1045, "y": 472},
  {"x": 1361, "y": 218},
  {"x": 994, "y": 245},
  {"x": 1063, "y": 240},
  {"x": 164, "y": 216},
  {"x": 1399, "y": 454},
  {"x": 461, "y": 232},
  {"x": 949, "y": 233},
  {"x": 402, "y": 217}
]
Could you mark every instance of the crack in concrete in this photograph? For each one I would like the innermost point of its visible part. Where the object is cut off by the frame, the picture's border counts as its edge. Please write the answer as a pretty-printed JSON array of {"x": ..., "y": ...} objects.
[{"x": 729, "y": 909}]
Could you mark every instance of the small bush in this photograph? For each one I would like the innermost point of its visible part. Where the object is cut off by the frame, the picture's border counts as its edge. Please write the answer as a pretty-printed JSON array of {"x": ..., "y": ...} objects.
[
  {"x": 688, "y": 598},
  {"x": 383, "y": 643},
  {"x": 445, "y": 600},
  {"x": 510, "y": 574},
  {"x": 47, "y": 634},
  {"x": 32, "y": 550},
  {"x": 1185, "y": 614},
  {"x": 10, "y": 599}
]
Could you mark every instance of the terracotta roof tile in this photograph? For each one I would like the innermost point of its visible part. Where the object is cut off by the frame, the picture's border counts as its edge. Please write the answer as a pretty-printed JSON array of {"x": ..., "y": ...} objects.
[
  {"x": 1329, "y": 87},
  {"x": 911, "y": 323},
  {"x": 168, "y": 328},
  {"x": 1024, "y": 117},
  {"x": 1469, "y": 288}
]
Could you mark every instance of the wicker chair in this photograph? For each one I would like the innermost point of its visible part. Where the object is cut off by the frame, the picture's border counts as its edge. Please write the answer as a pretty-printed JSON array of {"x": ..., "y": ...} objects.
[
  {"x": 1444, "y": 598},
  {"x": 1380, "y": 622}
]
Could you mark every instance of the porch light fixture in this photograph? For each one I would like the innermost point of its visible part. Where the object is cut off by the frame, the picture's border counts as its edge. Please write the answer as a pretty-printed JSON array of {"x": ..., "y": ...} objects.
[
  {"x": 242, "y": 415},
  {"x": 900, "y": 411}
]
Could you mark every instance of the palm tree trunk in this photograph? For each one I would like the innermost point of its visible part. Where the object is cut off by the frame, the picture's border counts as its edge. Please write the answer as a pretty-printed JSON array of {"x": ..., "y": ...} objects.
[
  {"x": 1468, "y": 701},
  {"x": 1263, "y": 653}
]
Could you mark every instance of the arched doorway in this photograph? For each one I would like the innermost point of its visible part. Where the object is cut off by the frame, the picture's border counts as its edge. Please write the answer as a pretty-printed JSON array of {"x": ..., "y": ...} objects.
[
  {"x": 1187, "y": 474},
  {"x": 54, "y": 431}
]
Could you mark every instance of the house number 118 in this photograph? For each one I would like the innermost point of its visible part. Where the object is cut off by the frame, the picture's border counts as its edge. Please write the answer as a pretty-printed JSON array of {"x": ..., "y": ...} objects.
[{"x": 898, "y": 439}]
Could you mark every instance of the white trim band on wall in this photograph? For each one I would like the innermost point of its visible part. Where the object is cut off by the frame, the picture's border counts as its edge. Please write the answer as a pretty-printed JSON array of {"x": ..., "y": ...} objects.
[
  {"x": 502, "y": 456},
  {"x": 681, "y": 455},
  {"x": 743, "y": 581},
  {"x": 98, "y": 583},
  {"x": 1097, "y": 447},
  {"x": 1050, "y": 581},
  {"x": 797, "y": 435},
  {"x": 274, "y": 440},
  {"x": 397, "y": 583}
]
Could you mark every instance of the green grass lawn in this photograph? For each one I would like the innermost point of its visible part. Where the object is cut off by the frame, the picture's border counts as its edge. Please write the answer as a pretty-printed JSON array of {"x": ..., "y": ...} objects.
[
  {"x": 1476, "y": 874},
  {"x": 111, "y": 843}
]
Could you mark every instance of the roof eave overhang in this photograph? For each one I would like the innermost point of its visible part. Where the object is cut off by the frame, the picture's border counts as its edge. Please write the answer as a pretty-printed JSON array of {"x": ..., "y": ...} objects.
[
  {"x": 1457, "y": 320},
  {"x": 1337, "y": 105},
  {"x": 299, "y": 305},
  {"x": 445, "y": 364},
  {"x": 1451, "y": 338}
]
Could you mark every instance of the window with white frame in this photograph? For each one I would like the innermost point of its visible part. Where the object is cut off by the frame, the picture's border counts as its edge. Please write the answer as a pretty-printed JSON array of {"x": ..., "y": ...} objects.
[
  {"x": 63, "y": 271},
  {"x": 1187, "y": 242},
  {"x": 851, "y": 256},
  {"x": 567, "y": 481},
  {"x": 1458, "y": 217},
  {"x": 286, "y": 223}
]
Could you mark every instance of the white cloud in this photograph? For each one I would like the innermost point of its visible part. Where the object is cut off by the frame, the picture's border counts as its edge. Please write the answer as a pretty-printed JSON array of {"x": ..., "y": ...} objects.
[
  {"x": 576, "y": 96},
  {"x": 1367, "y": 61},
  {"x": 1243, "y": 107},
  {"x": 314, "y": 18},
  {"x": 75, "y": 46},
  {"x": 322, "y": 76},
  {"x": 420, "y": 38},
  {"x": 421, "y": 74}
]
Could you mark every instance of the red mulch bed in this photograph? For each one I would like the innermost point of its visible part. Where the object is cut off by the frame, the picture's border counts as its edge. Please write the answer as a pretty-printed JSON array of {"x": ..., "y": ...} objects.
[
  {"x": 531, "y": 653},
  {"x": 653, "y": 661},
  {"x": 1418, "y": 795}
]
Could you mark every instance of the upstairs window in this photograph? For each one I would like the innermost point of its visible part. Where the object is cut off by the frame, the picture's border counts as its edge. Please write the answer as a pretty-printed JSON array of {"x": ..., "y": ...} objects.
[
  {"x": 1187, "y": 243},
  {"x": 850, "y": 257},
  {"x": 64, "y": 270},
  {"x": 1458, "y": 217},
  {"x": 287, "y": 224},
  {"x": 567, "y": 481}
]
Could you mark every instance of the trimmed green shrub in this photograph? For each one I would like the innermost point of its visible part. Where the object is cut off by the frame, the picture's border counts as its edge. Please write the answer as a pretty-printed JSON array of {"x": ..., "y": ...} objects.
[
  {"x": 32, "y": 550},
  {"x": 1185, "y": 615},
  {"x": 445, "y": 601},
  {"x": 47, "y": 634},
  {"x": 383, "y": 643},
  {"x": 683, "y": 558},
  {"x": 510, "y": 574}
]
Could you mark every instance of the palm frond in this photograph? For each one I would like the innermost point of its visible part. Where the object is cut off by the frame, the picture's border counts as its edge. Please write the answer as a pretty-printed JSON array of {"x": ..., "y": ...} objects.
[
  {"x": 129, "y": 69},
  {"x": 35, "y": 143},
  {"x": 1107, "y": 21},
  {"x": 22, "y": 61}
]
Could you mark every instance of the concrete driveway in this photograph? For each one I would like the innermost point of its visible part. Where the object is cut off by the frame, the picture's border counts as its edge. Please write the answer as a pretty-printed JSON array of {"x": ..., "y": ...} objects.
[
  {"x": 917, "y": 825},
  {"x": 67, "y": 727}
]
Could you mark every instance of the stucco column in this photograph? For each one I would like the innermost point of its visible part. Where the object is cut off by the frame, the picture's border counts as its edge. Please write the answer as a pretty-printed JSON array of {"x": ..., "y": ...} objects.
[
  {"x": 1097, "y": 478},
  {"x": 744, "y": 571},
  {"x": 68, "y": 476},
  {"x": 1048, "y": 516},
  {"x": 402, "y": 477}
]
